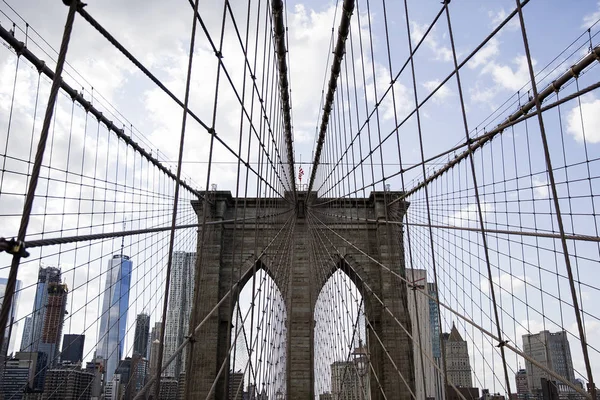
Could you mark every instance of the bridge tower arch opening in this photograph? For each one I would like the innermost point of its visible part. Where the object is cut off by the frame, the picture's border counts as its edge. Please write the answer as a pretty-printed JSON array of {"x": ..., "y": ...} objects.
[{"x": 257, "y": 362}]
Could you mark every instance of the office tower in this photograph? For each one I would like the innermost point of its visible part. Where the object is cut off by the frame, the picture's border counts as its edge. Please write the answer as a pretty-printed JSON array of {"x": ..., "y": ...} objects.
[
  {"x": 142, "y": 331},
  {"x": 113, "y": 320},
  {"x": 46, "y": 276},
  {"x": 346, "y": 381},
  {"x": 37, "y": 363},
  {"x": 124, "y": 372},
  {"x": 95, "y": 368},
  {"x": 15, "y": 378},
  {"x": 10, "y": 325},
  {"x": 68, "y": 383},
  {"x": 154, "y": 367},
  {"x": 72, "y": 348},
  {"x": 54, "y": 319},
  {"x": 418, "y": 309},
  {"x": 553, "y": 352},
  {"x": 181, "y": 293},
  {"x": 139, "y": 370},
  {"x": 27, "y": 333},
  {"x": 168, "y": 389},
  {"x": 114, "y": 388},
  {"x": 522, "y": 384},
  {"x": 154, "y": 335},
  {"x": 457, "y": 359},
  {"x": 236, "y": 385},
  {"x": 436, "y": 344}
]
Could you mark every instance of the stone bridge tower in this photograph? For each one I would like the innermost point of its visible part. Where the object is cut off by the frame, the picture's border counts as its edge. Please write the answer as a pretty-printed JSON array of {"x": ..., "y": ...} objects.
[{"x": 226, "y": 260}]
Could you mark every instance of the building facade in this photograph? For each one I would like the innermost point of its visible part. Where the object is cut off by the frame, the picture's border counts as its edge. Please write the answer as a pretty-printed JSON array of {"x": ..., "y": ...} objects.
[
  {"x": 15, "y": 377},
  {"x": 142, "y": 333},
  {"x": 68, "y": 383},
  {"x": 54, "y": 318},
  {"x": 72, "y": 348},
  {"x": 236, "y": 385},
  {"x": 346, "y": 382},
  {"x": 522, "y": 384},
  {"x": 419, "y": 310},
  {"x": 550, "y": 349},
  {"x": 113, "y": 320},
  {"x": 458, "y": 364},
  {"x": 46, "y": 276},
  {"x": 436, "y": 340},
  {"x": 27, "y": 333},
  {"x": 181, "y": 294}
]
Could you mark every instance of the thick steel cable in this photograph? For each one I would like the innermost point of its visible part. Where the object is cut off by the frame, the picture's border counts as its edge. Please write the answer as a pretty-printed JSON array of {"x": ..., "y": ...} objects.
[
  {"x": 35, "y": 173},
  {"x": 211, "y": 130},
  {"x": 517, "y": 116},
  {"x": 195, "y": 329},
  {"x": 464, "y": 318},
  {"x": 557, "y": 209},
  {"x": 344, "y": 29},
  {"x": 284, "y": 89},
  {"x": 478, "y": 200},
  {"x": 77, "y": 96},
  {"x": 176, "y": 198},
  {"x": 255, "y": 294}
]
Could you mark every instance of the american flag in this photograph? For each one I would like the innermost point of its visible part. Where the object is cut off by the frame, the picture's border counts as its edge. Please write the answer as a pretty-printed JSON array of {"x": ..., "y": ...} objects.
[{"x": 300, "y": 173}]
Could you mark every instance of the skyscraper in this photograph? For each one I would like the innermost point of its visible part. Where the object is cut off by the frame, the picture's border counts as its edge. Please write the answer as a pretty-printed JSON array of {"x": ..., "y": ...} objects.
[
  {"x": 14, "y": 378},
  {"x": 113, "y": 320},
  {"x": 553, "y": 352},
  {"x": 436, "y": 344},
  {"x": 142, "y": 331},
  {"x": 68, "y": 383},
  {"x": 522, "y": 384},
  {"x": 457, "y": 359},
  {"x": 54, "y": 319},
  {"x": 181, "y": 294},
  {"x": 236, "y": 385},
  {"x": 45, "y": 277},
  {"x": 345, "y": 381},
  {"x": 418, "y": 306},
  {"x": 8, "y": 333},
  {"x": 27, "y": 333},
  {"x": 72, "y": 348}
]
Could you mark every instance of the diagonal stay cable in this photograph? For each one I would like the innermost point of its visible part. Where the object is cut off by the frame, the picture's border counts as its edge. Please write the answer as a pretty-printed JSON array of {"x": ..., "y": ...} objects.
[
  {"x": 284, "y": 90},
  {"x": 41, "y": 66},
  {"x": 344, "y": 29},
  {"x": 463, "y": 317},
  {"x": 161, "y": 85}
]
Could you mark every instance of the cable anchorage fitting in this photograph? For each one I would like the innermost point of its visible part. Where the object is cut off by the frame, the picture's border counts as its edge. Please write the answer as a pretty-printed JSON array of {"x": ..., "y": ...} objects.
[
  {"x": 14, "y": 247},
  {"x": 502, "y": 343}
]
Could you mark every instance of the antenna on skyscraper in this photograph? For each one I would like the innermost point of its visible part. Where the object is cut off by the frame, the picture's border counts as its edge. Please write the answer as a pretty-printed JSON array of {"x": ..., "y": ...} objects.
[{"x": 123, "y": 238}]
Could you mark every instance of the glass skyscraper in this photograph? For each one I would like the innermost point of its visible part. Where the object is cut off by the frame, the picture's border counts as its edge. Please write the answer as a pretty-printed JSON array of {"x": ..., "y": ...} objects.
[
  {"x": 113, "y": 320},
  {"x": 181, "y": 294},
  {"x": 45, "y": 277}
]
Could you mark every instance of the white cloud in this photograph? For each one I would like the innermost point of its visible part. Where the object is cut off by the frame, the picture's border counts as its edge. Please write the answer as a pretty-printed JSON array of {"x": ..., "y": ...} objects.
[
  {"x": 511, "y": 283},
  {"x": 442, "y": 94},
  {"x": 489, "y": 51},
  {"x": 590, "y": 129},
  {"x": 441, "y": 52},
  {"x": 540, "y": 188},
  {"x": 468, "y": 215},
  {"x": 510, "y": 78},
  {"x": 591, "y": 18},
  {"x": 497, "y": 17}
]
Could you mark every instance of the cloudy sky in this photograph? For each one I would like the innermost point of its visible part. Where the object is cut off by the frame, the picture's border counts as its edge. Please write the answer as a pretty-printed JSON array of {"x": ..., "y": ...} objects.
[{"x": 158, "y": 34}]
